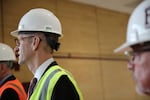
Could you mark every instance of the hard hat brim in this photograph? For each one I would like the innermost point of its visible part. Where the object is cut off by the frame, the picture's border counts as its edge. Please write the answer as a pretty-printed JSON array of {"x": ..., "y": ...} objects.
[
  {"x": 14, "y": 33},
  {"x": 124, "y": 47}
]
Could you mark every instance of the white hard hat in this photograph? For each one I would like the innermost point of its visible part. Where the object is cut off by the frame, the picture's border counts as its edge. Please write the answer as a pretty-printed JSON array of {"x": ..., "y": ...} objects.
[
  {"x": 39, "y": 19},
  {"x": 138, "y": 30},
  {"x": 6, "y": 53}
]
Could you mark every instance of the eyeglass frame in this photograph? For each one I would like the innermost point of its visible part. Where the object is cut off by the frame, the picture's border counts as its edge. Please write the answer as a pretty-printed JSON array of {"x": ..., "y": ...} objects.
[
  {"x": 132, "y": 54},
  {"x": 17, "y": 41}
]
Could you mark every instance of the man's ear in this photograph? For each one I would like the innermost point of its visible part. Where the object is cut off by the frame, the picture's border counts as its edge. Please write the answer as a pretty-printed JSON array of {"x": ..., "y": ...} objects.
[{"x": 36, "y": 42}]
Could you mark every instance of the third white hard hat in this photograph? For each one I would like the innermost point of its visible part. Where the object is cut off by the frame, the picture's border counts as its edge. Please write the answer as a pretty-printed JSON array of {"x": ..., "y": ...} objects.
[
  {"x": 138, "y": 30},
  {"x": 6, "y": 53}
]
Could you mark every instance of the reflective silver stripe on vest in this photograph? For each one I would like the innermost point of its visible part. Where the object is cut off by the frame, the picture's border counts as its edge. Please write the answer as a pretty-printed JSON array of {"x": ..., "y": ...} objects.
[{"x": 45, "y": 87}]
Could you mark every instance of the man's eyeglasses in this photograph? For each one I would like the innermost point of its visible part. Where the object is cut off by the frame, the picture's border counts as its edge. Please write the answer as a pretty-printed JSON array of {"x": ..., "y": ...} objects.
[
  {"x": 17, "y": 41},
  {"x": 136, "y": 52}
]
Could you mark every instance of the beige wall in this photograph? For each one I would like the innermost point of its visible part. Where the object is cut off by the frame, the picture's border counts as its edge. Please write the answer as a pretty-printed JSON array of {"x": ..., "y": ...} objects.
[
  {"x": 90, "y": 36},
  {"x": 1, "y": 21}
]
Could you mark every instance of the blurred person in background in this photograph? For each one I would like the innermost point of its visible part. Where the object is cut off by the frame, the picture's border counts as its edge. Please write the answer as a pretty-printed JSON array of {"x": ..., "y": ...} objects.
[
  {"x": 10, "y": 86},
  {"x": 137, "y": 46}
]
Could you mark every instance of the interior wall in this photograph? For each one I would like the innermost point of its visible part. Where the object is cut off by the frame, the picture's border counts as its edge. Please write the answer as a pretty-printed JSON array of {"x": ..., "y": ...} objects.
[
  {"x": 90, "y": 36},
  {"x": 1, "y": 20}
]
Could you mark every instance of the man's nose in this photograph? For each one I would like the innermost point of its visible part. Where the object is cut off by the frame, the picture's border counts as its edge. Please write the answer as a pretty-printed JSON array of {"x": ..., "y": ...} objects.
[{"x": 130, "y": 65}]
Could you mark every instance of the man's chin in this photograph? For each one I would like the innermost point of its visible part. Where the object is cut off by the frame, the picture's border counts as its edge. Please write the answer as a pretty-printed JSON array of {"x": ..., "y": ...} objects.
[{"x": 141, "y": 91}]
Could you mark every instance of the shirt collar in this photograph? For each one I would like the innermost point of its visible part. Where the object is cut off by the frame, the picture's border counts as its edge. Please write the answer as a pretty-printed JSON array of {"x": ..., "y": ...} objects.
[{"x": 39, "y": 72}]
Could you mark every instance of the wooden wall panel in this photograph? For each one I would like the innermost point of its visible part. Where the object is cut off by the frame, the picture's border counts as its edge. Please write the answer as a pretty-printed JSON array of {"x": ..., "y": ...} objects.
[
  {"x": 1, "y": 21},
  {"x": 112, "y": 30},
  {"x": 115, "y": 78},
  {"x": 79, "y": 28}
]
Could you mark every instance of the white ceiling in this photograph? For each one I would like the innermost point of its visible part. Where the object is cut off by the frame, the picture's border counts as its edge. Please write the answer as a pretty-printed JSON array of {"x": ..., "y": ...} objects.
[{"x": 125, "y": 6}]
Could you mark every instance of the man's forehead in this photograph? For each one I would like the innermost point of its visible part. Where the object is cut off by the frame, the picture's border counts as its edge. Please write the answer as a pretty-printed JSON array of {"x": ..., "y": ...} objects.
[{"x": 22, "y": 35}]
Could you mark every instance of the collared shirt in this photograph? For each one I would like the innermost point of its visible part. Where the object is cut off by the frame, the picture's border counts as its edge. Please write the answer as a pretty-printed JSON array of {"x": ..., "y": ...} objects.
[{"x": 39, "y": 72}]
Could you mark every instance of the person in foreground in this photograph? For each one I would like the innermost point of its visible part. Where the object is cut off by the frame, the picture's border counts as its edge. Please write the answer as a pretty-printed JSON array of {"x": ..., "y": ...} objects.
[
  {"x": 37, "y": 39},
  {"x": 137, "y": 46},
  {"x": 10, "y": 86}
]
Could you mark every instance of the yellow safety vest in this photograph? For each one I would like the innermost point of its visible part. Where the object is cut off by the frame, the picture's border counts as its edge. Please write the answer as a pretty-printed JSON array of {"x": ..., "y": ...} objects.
[{"x": 45, "y": 86}]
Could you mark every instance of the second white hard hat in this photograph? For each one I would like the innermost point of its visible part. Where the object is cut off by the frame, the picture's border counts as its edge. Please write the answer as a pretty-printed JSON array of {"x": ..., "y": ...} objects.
[
  {"x": 39, "y": 19},
  {"x": 138, "y": 30}
]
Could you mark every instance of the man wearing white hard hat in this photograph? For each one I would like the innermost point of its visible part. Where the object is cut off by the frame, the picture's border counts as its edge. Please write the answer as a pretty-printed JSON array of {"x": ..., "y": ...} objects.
[
  {"x": 137, "y": 46},
  {"x": 37, "y": 38},
  {"x": 10, "y": 86}
]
